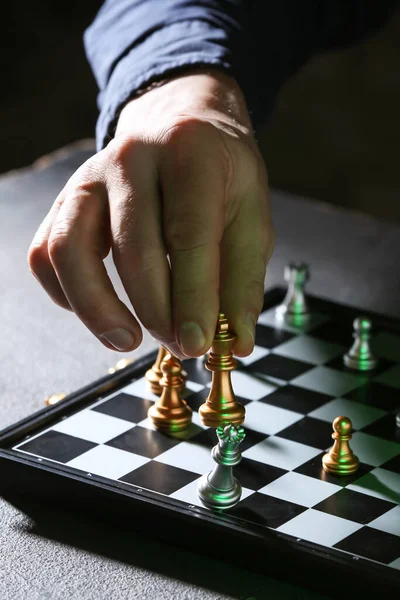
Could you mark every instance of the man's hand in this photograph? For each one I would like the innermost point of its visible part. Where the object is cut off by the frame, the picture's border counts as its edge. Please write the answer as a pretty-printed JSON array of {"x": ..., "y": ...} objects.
[{"x": 180, "y": 197}]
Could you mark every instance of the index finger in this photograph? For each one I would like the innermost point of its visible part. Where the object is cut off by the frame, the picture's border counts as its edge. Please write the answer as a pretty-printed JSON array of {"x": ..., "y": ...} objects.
[{"x": 193, "y": 180}]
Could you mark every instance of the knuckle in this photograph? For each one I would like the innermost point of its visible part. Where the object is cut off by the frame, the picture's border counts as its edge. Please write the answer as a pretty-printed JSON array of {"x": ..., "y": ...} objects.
[
  {"x": 120, "y": 152},
  {"x": 187, "y": 137},
  {"x": 88, "y": 175},
  {"x": 132, "y": 254},
  {"x": 37, "y": 257},
  {"x": 186, "y": 232},
  {"x": 183, "y": 129},
  {"x": 59, "y": 243}
]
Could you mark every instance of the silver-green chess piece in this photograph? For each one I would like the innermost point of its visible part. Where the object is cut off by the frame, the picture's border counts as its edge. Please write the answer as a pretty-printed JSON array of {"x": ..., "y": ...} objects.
[
  {"x": 294, "y": 308},
  {"x": 360, "y": 356},
  {"x": 219, "y": 489},
  {"x": 398, "y": 419}
]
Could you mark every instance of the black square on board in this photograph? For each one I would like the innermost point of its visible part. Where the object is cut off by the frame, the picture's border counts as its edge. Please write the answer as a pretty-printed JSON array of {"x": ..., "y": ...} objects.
[
  {"x": 385, "y": 428},
  {"x": 339, "y": 332},
  {"x": 280, "y": 367},
  {"x": 143, "y": 441},
  {"x": 268, "y": 337},
  {"x": 125, "y": 406},
  {"x": 338, "y": 364},
  {"x": 208, "y": 438},
  {"x": 196, "y": 399},
  {"x": 296, "y": 399},
  {"x": 313, "y": 468},
  {"x": 254, "y": 475},
  {"x": 375, "y": 394},
  {"x": 310, "y": 432},
  {"x": 353, "y": 506},
  {"x": 196, "y": 370},
  {"x": 373, "y": 544},
  {"x": 57, "y": 446},
  {"x": 158, "y": 477},
  {"x": 266, "y": 510},
  {"x": 393, "y": 464}
]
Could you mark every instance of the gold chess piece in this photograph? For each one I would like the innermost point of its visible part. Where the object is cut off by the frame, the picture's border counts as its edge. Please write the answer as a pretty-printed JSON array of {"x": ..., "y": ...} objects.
[
  {"x": 170, "y": 413},
  {"x": 221, "y": 406},
  {"x": 154, "y": 374},
  {"x": 54, "y": 399},
  {"x": 121, "y": 364},
  {"x": 340, "y": 459}
]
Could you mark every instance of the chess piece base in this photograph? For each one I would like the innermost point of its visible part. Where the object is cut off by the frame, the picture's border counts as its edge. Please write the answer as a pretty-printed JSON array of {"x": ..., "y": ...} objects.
[
  {"x": 356, "y": 364},
  {"x": 170, "y": 420},
  {"x": 211, "y": 417},
  {"x": 291, "y": 318},
  {"x": 345, "y": 465},
  {"x": 211, "y": 497}
]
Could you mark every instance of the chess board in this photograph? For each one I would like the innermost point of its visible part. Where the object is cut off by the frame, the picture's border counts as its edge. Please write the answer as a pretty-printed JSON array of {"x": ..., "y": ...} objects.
[{"x": 96, "y": 452}]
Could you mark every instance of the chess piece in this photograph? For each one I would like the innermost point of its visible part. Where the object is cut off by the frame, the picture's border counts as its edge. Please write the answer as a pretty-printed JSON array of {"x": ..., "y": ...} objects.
[
  {"x": 398, "y": 419},
  {"x": 54, "y": 399},
  {"x": 360, "y": 356},
  {"x": 221, "y": 405},
  {"x": 153, "y": 375},
  {"x": 219, "y": 488},
  {"x": 294, "y": 309},
  {"x": 340, "y": 459},
  {"x": 170, "y": 413},
  {"x": 121, "y": 364}
]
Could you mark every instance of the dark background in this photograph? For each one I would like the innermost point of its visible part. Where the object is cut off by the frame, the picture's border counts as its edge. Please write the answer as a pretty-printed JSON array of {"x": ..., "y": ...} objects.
[{"x": 334, "y": 135}]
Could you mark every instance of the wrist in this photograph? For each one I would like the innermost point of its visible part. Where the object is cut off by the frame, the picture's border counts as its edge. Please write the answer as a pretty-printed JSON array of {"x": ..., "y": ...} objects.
[{"x": 207, "y": 93}]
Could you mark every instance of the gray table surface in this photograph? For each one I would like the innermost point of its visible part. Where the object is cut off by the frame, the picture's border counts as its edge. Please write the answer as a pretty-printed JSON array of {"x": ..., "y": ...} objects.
[{"x": 353, "y": 259}]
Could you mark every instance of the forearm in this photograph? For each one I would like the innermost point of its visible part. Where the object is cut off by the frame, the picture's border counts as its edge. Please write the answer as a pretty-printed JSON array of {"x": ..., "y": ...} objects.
[{"x": 261, "y": 43}]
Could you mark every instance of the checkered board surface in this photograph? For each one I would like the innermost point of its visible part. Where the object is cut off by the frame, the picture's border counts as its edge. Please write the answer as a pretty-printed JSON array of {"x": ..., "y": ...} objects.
[{"x": 293, "y": 386}]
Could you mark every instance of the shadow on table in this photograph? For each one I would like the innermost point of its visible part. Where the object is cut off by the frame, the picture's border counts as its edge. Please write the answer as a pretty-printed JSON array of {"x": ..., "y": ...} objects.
[{"x": 145, "y": 552}]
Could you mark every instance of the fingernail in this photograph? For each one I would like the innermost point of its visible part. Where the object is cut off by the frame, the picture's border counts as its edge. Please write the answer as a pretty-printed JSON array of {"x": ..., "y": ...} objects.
[
  {"x": 250, "y": 324},
  {"x": 191, "y": 338},
  {"x": 121, "y": 339}
]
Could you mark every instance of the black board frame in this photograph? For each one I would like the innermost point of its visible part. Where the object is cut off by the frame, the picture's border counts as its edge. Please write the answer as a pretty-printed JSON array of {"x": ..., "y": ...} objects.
[{"x": 29, "y": 484}]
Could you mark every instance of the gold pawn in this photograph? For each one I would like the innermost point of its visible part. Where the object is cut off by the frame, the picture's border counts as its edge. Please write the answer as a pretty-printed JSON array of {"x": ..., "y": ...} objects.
[
  {"x": 340, "y": 460},
  {"x": 54, "y": 399},
  {"x": 153, "y": 375},
  {"x": 170, "y": 413},
  {"x": 221, "y": 406}
]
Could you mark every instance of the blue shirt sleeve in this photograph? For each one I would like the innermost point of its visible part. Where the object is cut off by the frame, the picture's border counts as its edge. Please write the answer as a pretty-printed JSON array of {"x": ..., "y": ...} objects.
[{"x": 261, "y": 43}]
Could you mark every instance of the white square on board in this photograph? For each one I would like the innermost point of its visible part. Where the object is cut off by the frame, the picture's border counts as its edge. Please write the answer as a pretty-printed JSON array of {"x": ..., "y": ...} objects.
[
  {"x": 195, "y": 427},
  {"x": 309, "y": 349},
  {"x": 379, "y": 483},
  {"x": 258, "y": 352},
  {"x": 319, "y": 527},
  {"x": 269, "y": 419},
  {"x": 107, "y": 462},
  {"x": 329, "y": 381},
  {"x": 359, "y": 414},
  {"x": 282, "y": 453},
  {"x": 268, "y": 318},
  {"x": 395, "y": 564},
  {"x": 188, "y": 456},
  {"x": 372, "y": 450},
  {"x": 188, "y": 494},
  {"x": 300, "y": 489},
  {"x": 389, "y": 521},
  {"x": 93, "y": 426}
]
